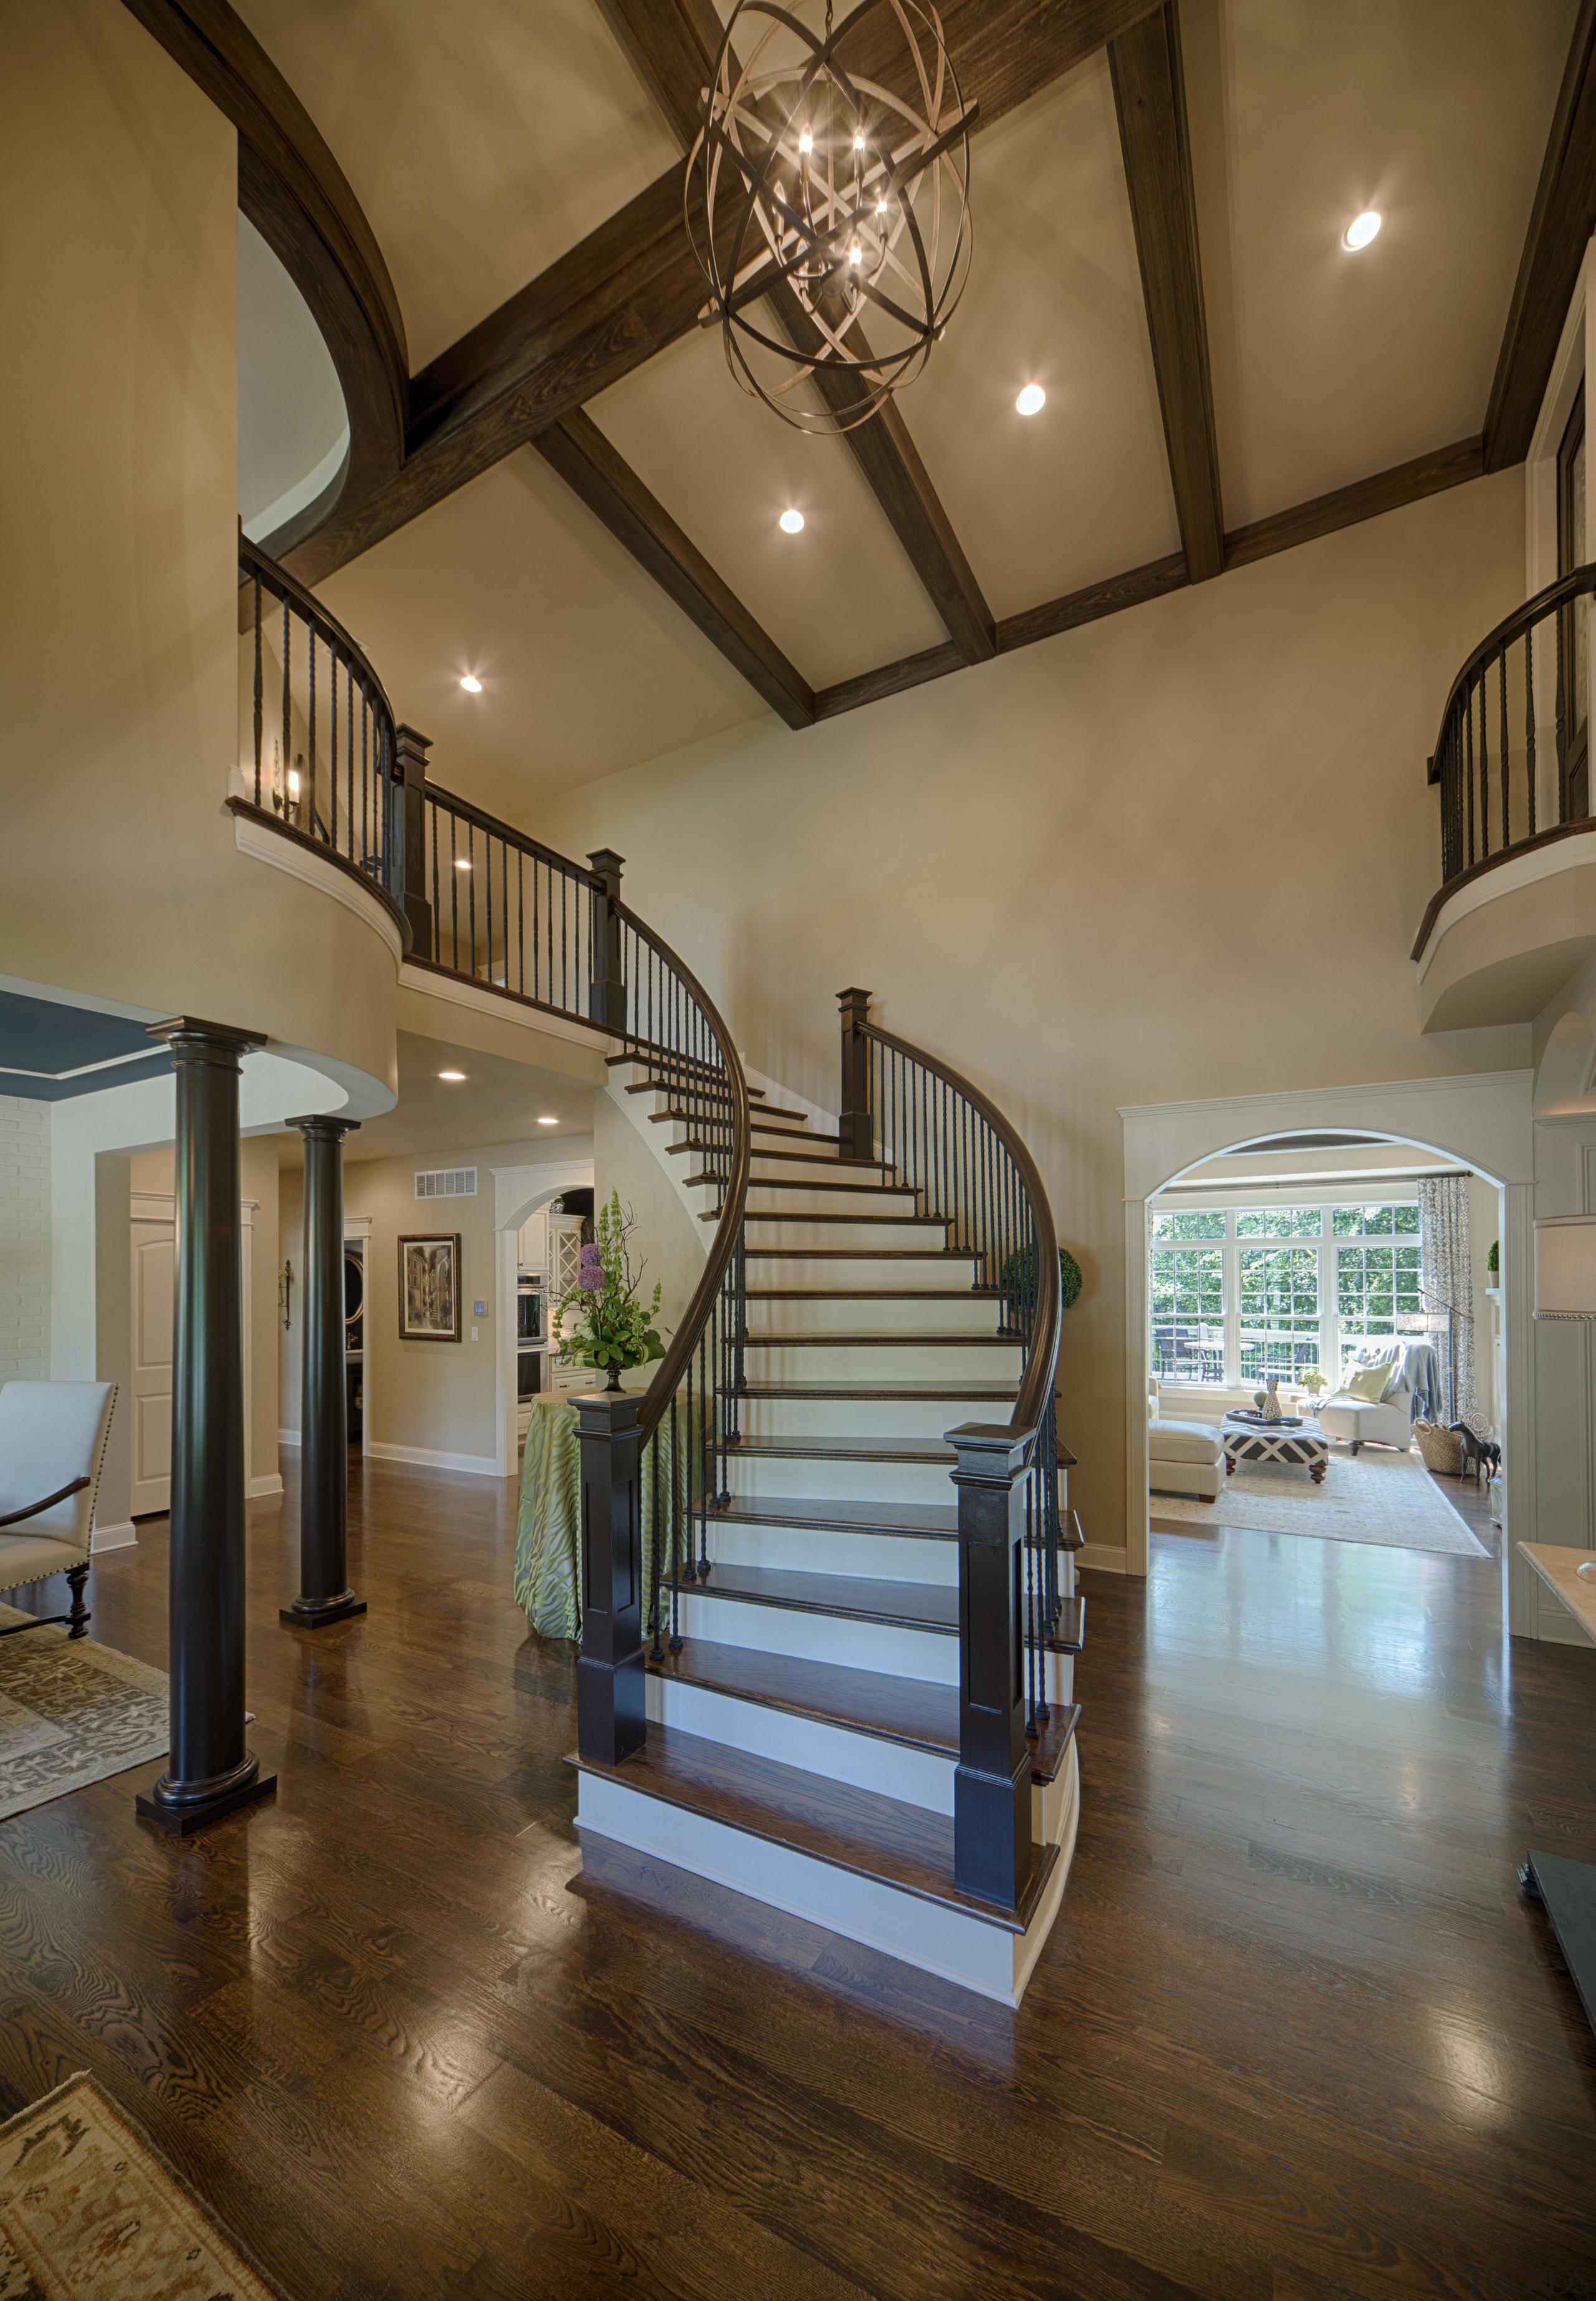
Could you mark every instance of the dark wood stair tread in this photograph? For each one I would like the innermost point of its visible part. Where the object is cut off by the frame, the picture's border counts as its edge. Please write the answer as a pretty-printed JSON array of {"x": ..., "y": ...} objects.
[
  {"x": 909, "y": 1711},
  {"x": 984, "y": 1392},
  {"x": 761, "y": 1122},
  {"x": 1070, "y": 1636},
  {"x": 811, "y": 1215},
  {"x": 760, "y": 1338},
  {"x": 803, "y": 1182},
  {"x": 845, "y": 1597},
  {"x": 933, "y": 1521},
  {"x": 827, "y": 1449},
  {"x": 858, "y": 1254},
  {"x": 898, "y": 1845},
  {"x": 833, "y": 1164},
  {"x": 870, "y": 1293}
]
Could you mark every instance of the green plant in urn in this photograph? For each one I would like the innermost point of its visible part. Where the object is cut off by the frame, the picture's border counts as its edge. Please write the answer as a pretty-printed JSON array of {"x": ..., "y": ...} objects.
[{"x": 612, "y": 1326}]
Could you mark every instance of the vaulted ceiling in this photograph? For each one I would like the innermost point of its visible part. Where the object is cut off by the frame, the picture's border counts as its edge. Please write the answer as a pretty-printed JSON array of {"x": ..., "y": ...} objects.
[{"x": 554, "y": 481}]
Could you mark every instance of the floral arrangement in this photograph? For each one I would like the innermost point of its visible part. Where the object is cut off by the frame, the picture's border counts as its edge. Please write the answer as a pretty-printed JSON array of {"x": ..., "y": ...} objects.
[
  {"x": 612, "y": 1326},
  {"x": 1313, "y": 1380}
]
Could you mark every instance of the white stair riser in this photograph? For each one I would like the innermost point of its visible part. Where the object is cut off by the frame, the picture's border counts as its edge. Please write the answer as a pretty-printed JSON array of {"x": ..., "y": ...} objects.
[
  {"x": 865, "y": 1314},
  {"x": 777, "y": 1478},
  {"x": 866, "y": 1418},
  {"x": 770, "y": 1156},
  {"x": 897, "y": 1653},
  {"x": 865, "y": 1761},
  {"x": 864, "y": 1364},
  {"x": 812, "y": 1238},
  {"x": 843, "y": 1274},
  {"x": 1059, "y": 1682},
  {"x": 978, "y": 1956},
  {"x": 769, "y": 1199},
  {"x": 770, "y": 1165},
  {"x": 828, "y": 1550}
]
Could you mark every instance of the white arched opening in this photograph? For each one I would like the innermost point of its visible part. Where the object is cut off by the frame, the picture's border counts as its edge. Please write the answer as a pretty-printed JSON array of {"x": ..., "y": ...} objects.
[
  {"x": 1481, "y": 1121},
  {"x": 518, "y": 1192}
]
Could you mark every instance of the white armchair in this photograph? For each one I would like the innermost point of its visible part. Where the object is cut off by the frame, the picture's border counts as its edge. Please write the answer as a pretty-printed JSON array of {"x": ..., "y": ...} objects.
[
  {"x": 52, "y": 1452},
  {"x": 1387, "y": 1421}
]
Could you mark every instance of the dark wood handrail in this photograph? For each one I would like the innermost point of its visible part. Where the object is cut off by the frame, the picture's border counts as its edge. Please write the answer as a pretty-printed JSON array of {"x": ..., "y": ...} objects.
[
  {"x": 728, "y": 1229},
  {"x": 1460, "y": 879},
  {"x": 1579, "y": 582},
  {"x": 1041, "y": 1365},
  {"x": 278, "y": 579},
  {"x": 496, "y": 828}
]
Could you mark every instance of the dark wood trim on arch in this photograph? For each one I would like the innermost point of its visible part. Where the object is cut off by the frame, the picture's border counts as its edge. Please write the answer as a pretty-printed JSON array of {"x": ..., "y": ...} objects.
[
  {"x": 612, "y": 491},
  {"x": 1561, "y": 222},
  {"x": 298, "y": 198},
  {"x": 1150, "y": 98}
]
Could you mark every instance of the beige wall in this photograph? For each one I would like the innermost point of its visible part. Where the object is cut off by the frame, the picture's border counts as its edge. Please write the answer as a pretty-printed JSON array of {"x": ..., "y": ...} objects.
[
  {"x": 118, "y": 648},
  {"x": 1182, "y": 852},
  {"x": 623, "y": 1161}
]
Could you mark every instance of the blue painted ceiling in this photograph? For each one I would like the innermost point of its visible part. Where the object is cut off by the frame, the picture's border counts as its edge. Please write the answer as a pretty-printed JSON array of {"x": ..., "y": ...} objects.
[{"x": 48, "y": 1051}]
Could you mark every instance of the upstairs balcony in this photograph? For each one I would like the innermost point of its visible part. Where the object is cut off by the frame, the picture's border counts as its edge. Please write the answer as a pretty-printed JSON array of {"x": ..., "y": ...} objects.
[{"x": 1515, "y": 916}]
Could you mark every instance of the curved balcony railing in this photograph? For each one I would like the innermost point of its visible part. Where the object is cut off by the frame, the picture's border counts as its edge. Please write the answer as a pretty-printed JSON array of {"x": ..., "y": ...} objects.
[
  {"x": 1512, "y": 757},
  {"x": 937, "y": 1132}
]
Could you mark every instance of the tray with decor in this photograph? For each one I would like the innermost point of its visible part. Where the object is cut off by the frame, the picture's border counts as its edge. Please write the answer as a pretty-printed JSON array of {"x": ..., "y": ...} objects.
[{"x": 1263, "y": 1421}]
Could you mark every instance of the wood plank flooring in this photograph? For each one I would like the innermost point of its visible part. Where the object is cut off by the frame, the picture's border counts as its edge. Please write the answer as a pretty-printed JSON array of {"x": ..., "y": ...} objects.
[{"x": 1296, "y": 2034}]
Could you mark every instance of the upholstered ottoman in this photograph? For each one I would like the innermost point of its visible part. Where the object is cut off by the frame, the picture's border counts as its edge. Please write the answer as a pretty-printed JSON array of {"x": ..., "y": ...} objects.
[{"x": 1183, "y": 1458}]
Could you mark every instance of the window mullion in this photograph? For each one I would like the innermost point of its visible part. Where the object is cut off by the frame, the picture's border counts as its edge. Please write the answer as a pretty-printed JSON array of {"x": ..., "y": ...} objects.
[{"x": 1232, "y": 1306}]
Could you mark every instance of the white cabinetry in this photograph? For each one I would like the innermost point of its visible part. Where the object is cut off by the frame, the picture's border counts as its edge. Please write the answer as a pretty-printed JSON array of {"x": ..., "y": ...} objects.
[
  {"x": 532, "y": 1252},
  {"x": 564, "y": 1260}
]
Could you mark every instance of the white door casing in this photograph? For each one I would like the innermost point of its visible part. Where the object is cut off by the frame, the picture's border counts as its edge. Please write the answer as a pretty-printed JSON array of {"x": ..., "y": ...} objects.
[{"x": 151, "y": 1227}]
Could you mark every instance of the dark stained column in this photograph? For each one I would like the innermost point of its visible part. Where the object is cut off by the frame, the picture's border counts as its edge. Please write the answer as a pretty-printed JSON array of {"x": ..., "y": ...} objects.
[
  {"x": 606, "y": 992},
  {"x": 991, "y": 1783},
  {"x": 611, "y": 1699},
  {"x": 324, "y": 1592},
  {"x": 856, "y": 1128},
  {"x": 209, "y": 1770}
]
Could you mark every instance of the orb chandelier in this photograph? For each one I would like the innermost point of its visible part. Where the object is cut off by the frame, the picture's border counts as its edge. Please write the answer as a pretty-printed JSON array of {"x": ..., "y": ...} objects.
[{"x": 829, "y": 206}]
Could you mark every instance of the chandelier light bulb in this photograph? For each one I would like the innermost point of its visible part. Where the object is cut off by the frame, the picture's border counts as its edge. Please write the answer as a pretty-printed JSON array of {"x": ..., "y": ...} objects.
[
  {"x": 1031, "y": 400},
  {"x": 881, "y": 204},
  {"x": 855, "y": 253},
  {"x": 792, "y": 522},
  {"x": 1362, "y": 229},
  {"x": 859, "y": 137},
  {"x": 805, "y": 138}
]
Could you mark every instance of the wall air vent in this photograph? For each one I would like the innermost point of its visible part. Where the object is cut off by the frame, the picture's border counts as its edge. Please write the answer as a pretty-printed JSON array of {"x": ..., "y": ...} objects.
[{"x": 447, "y": 1183}]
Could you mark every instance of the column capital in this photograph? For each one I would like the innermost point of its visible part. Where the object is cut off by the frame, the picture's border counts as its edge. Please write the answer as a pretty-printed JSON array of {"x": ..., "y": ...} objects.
[
  {"x": 606, "y": 1413},
  {"x": 989, "y": 1453},
  {"x": 325, "y": 1126},
  {"x": 204, "y": 1038},
  {"x": 607, "y": 862},
  {"x": 410, "y": 747},
  {"x": 856, "y": 1004}
]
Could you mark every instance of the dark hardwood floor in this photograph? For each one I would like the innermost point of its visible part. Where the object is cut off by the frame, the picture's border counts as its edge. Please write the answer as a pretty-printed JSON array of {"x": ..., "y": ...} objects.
[{"x": 1295, "y": 2035}]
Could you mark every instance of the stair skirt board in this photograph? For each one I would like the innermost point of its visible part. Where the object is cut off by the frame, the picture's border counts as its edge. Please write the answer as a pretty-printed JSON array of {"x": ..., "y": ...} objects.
[
  {"x": 894, "y": 1652},
  {"x": 979, "y": 1955}
]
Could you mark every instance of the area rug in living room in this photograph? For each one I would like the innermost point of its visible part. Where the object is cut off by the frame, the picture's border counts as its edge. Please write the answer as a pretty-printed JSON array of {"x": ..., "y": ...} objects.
[
  {"x": 90, "y": 2211},
  {"x": 1378, "y": 1496},
  {"x": 71, "y": 1711}
]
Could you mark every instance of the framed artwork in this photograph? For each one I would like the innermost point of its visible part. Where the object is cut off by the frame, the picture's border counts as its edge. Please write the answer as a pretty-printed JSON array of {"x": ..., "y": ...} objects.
[{"x": 430, "y": 1288}]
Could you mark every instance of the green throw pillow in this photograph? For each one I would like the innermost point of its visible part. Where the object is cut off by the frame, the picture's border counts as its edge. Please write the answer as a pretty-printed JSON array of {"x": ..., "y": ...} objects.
[{"x": 1367, "y": 1383}]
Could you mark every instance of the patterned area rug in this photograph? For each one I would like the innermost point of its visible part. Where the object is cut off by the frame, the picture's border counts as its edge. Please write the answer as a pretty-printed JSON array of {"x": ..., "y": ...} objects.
[
  {"x": 90, "y": 2212},
  {"x": 1377, "y": 1496},
  {"x": 70, "y": 1712}
]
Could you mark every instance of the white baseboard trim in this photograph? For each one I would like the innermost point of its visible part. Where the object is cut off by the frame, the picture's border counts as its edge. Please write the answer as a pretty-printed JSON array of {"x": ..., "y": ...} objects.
[
  {"x": 122, "y": 1534},
  {"x": 1106, "y": 1560},
  {"x": 287, "y": 1438},
  {"x": 425, "y": 1458},
  {"x": 257, "y": 1487}
]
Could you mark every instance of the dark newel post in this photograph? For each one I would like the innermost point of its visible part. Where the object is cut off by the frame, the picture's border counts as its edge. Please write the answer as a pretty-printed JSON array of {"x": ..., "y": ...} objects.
[
  {"x": 991, "y": 1783},
  {"x": 606, "y": 992},
  {"x": 324, "y": 1592},
  {"x": 857, "y": 1129},
  {"x": 407, "y": 837},
  {"x": 209, "y": 1770},
  {"x": 611, "y": 1716}
]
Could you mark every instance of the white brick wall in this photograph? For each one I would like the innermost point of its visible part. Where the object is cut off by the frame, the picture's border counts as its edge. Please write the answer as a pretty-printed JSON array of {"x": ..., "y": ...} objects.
[{"x": 24, "y": 1239}]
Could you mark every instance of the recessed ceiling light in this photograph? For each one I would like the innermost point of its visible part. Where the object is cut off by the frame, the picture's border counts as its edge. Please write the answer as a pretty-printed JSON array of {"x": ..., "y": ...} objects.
[
  {"x": 451, "y": 1075},
  {"x": 472, "y": 684},
  {"x": 1031, "y": 400},
  {"x": 548, "y": 1121},
  {"x": 461, "y": 863},
  {"x": 1362, "y": 229},
  {"x": 792, "y": 522}
]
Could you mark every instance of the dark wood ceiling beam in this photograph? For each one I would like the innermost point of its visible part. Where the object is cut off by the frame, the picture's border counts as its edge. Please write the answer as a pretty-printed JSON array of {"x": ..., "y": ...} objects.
[
  {"x": 1149, "y": 96},
  {"x": 673, "y": 45},
  {"x": 1404, "y": 483},
  {"x": 297, "y": 198},
  {"x": 1561, "y": 222},
  {"x": 578, "y": 450}
]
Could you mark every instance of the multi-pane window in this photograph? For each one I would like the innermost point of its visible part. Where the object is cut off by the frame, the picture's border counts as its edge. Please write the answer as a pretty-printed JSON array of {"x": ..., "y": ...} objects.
[{"x": 1236, "y": 1294}]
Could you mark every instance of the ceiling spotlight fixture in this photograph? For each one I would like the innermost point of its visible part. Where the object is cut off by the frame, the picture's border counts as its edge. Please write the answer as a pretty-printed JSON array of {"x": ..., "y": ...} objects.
[
  {"x": 452, "y": 1076},
  {"x": 472, "y": 684},
  {"x": 1031, "y": 400},
  {"x": 847, "y": 195},
  {"x": 548, "y": 1121},
  {"x": 792, "y": 522},
  {"x": 1362, "y": 229}
]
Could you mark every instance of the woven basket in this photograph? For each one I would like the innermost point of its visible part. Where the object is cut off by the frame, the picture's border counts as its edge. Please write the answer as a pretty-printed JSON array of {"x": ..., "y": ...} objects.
[{"x": 1442, "y": 1449}]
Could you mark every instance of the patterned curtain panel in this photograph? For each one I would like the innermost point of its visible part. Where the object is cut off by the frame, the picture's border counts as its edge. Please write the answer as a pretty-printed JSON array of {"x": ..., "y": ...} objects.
[{"x": 1449, "y": 1283}]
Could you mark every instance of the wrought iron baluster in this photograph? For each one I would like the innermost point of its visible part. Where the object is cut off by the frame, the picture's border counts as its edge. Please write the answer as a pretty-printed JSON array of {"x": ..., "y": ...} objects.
[
  {"x": 1506, "y": 757},
  {"x": 1562, "y": 729},
  {"x": 332, "y": 744},
  {"x": 287, "y": 707},
  {"x": 1484, "y": 770},
  {"x": 1529, "y": 721},
  {"x": 311, "y": 726},
  {"x": 520, "y": 926},
  {"x": 258, "y": 691},
  {"x": 1469, "y": 765},
  {"x": 453, "y": 899}
]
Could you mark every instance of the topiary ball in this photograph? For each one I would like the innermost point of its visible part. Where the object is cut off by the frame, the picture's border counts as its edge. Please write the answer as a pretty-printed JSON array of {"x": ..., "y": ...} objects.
[{"x": 1018, "y": 1275}]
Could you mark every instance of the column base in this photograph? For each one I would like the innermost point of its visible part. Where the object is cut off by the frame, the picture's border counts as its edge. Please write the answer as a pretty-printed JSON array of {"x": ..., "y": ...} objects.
[
  {"x": 309, "y": 1617},
  {"x": 182, "y": 1818}
]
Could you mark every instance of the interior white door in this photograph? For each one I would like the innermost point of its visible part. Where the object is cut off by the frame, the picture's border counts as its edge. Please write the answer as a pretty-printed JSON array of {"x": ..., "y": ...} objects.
[{"x": 152, "y": 1366}]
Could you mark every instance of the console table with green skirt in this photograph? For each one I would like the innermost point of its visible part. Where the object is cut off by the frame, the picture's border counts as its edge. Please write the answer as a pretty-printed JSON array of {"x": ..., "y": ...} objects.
[{"x": 548, "y": 1528}]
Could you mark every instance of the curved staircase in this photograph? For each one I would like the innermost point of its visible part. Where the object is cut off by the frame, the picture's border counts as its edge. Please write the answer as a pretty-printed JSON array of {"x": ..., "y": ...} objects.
[{"x": 803, "y": 1691}]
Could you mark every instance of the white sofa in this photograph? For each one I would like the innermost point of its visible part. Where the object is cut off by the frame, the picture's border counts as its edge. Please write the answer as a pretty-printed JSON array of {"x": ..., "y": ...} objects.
[
  {"x": 1360, "y": 1423},
  {"x": 1184, "y": 1458}
]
